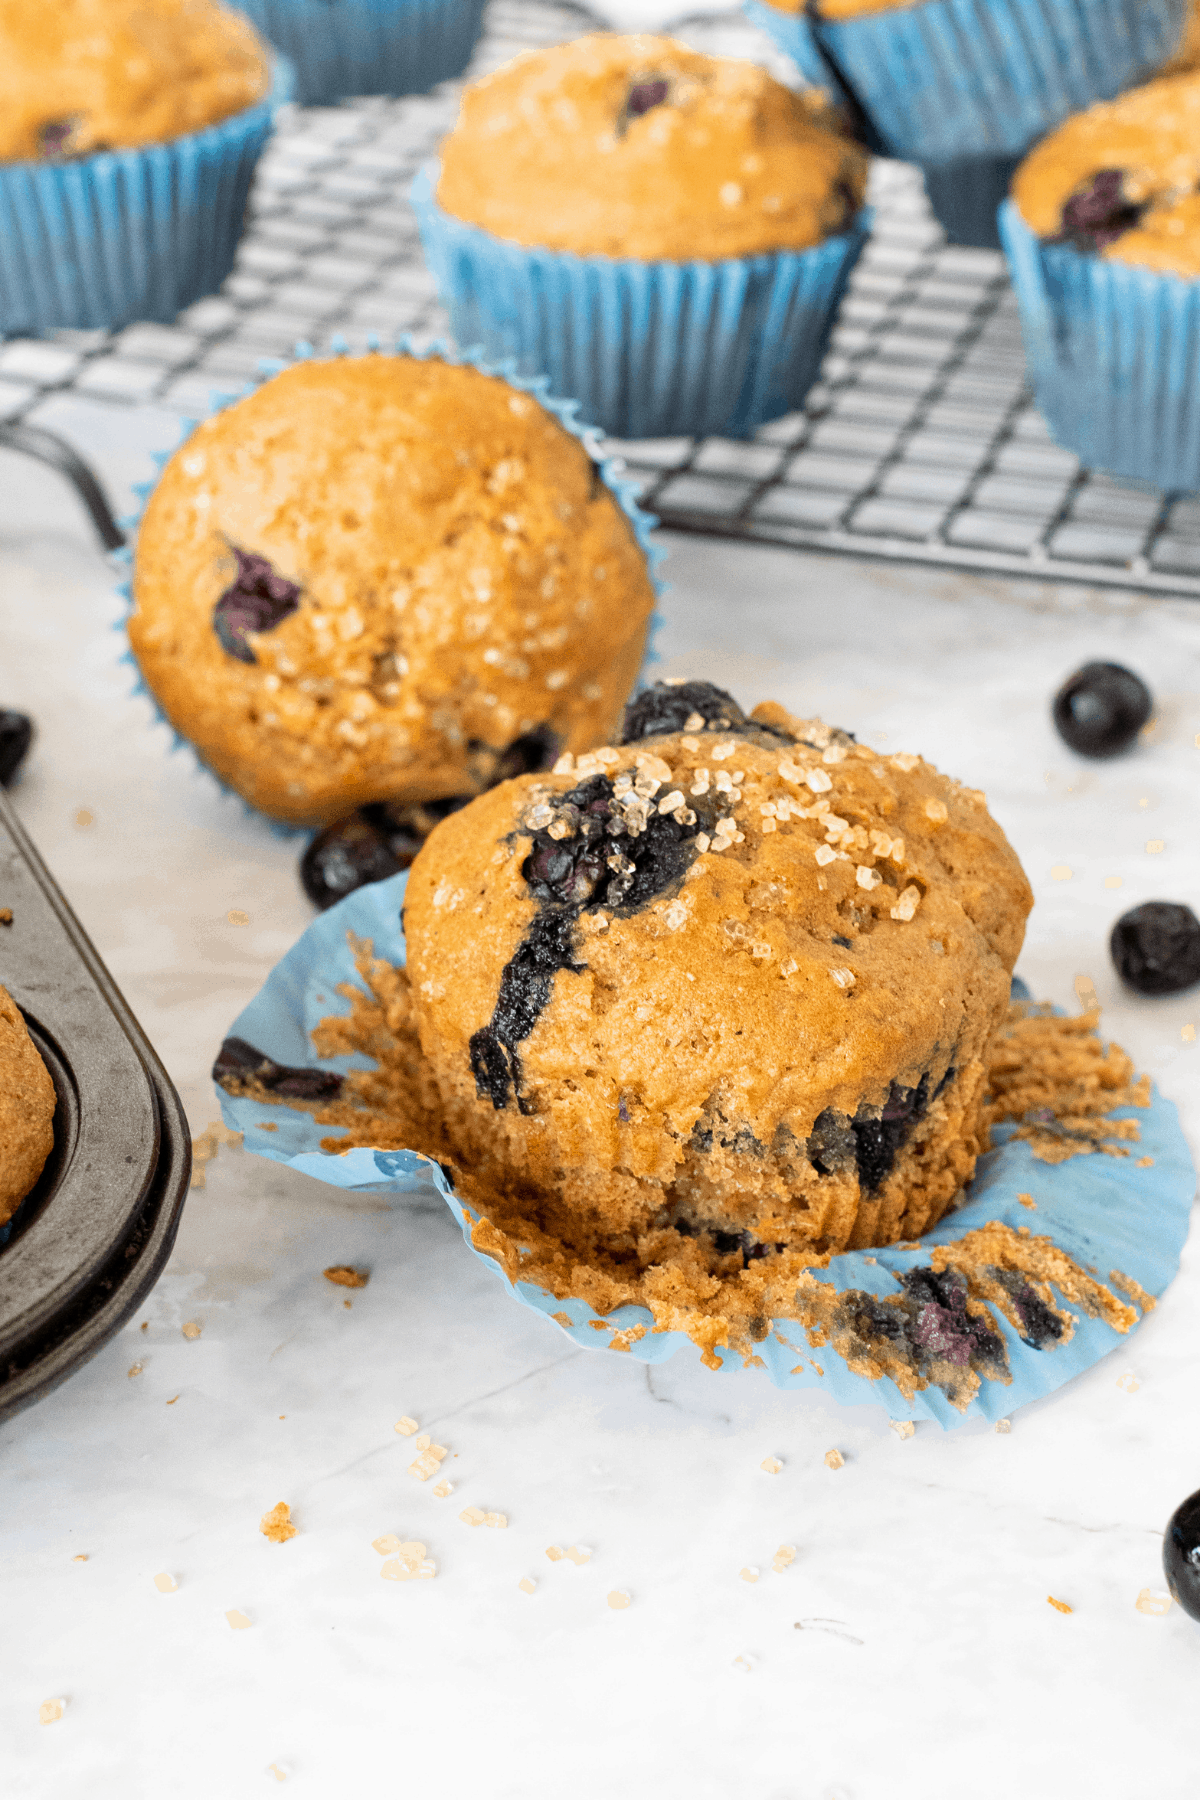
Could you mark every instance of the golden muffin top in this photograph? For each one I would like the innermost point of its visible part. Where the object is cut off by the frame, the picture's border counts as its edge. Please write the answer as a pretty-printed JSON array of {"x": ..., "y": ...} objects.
[
  {"x": 639, "y": 147},
  {"x": 80, "y": 76}
]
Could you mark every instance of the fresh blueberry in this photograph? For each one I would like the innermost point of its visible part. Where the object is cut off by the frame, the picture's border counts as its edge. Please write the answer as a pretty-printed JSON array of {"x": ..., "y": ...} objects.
[
  {"x": 257, "y": 599},
  {"x": 1101, "y": 709},
  {"x": 1098, "y": 213},
  {"x": 1181, "y": 1555},
  {"x": 1156, "y": 947},
  {"x": 372, "y": 844},
  {"x": 16, "y": 735}
]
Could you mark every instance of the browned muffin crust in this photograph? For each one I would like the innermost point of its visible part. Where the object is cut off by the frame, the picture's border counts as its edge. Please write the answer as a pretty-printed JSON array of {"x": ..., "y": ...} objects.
[
  {"x": 375, "y": 576},
  {"x": 638, "y": 147},
  {"x": 27, "y": 1102},
  {"x": 79, "y": 76}
]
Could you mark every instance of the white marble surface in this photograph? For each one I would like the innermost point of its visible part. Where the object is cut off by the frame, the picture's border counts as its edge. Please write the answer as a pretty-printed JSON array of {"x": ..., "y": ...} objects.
[{"x": 928, "y": 1662}]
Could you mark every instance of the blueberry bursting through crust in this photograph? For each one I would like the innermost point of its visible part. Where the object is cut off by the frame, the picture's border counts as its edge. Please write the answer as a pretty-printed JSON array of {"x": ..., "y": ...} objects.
[
  {"x": 1098, "y": 213},
  {"x": 256, "y": 600}
]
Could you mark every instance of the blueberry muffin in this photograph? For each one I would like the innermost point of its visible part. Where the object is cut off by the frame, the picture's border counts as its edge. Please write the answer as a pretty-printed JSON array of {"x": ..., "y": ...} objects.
[
  {"x": 1122, "y": 180},
  {"x": 385, "y": 579},
  {"x": 640, "y": 147},
  {"x": 730, "y": 981},
  {"x": 27, "y": 1102},
  {"x": 80, "y": 76}
]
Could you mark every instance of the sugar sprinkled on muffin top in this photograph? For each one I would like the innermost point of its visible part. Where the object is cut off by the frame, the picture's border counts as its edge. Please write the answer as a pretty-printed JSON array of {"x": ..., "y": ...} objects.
[{"x": 639, "y": 147}]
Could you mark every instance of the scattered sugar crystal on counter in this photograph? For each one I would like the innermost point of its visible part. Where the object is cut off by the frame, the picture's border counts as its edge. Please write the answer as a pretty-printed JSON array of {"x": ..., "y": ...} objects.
[
  {"x": 1188, "y": 1033},
  {"x": 1085, "y": 993},
  {"x": 1061, "y": 872},
  {"x": 903, "y": 1428},
  {"x": 135, "y": 1369},
  {"x": 527, "y": 1584},
  {"x": 166, "y": 1584},
  {"x": 276, "y": 1525},
  {"x": 277, "y": 1771},
  {"x": 741, "y": 1665},
  {"x": 82, "y": 1557},
  {"x": 386, "y": 1544},
  {"x": 834, "y": 1459},
  {"x": 1155, "y": 846},
  {"x": 406, "y": 1426},
  {"x": 237, "y": 1620},
  {"x": 749, "y": 1574},
  {"x": 1128, "y": 1382},
  {"x": 1153, "y": 1603},
  {"x": 554, "y": 1553},
  {"x": 1059, "y": 1605},
  {"x": 410, "y": 1563},
  {"x": 342, "y": 1275},
  {"x": 84, "y": 816},
  {"x": 428, "y": 1463},
  {"x": 50, "y": 1711},
  {"x": 236, "y": 916},
  {"x": 472, "y": 1515},
  {"x": 771, "y": 1465},
  {"x": 442, "y": 1489},
  {"x": 497, "y": 1520},
  {"x": 783, "y": 1558},
  {"x": 1113, "y": 881},
  {"x": 1004, "y": 1425},
  {"x": 192, "y": 1330},
  {"x": 618, "y": 1600}
]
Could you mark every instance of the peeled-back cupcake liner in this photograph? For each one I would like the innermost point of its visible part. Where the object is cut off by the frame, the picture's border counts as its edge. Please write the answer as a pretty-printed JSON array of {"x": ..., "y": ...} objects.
[
  {"x": 951, "y": 78},
  {"x": 129, "y": 234},
  {"x": 791, "y": 32},
  {"x": 623, "y": 489},
  {"x": 1114, "y": 354},
  {"x": 648, "y": 349},
  {"x": 1107, "y": 1213},
  {"x": 346, "y": 47}
]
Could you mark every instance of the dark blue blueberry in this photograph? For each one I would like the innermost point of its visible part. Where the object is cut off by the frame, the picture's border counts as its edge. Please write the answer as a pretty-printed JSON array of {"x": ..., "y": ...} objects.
[
  {"x": 16, "y": 735},
  {"x": 1181, "y": 1555},
  {"x": 1156, "y": 947},
  {"x": 943, "y": 1327},
  {"x": 258, "y": 599},
  {"x": 240, "y": 1065},
  {"x": 1098, "y": 213},
  {"x": 1039, "y": 1324},
  {"x": 667, "y": 706},
  {"x": 645, "y": 95},
  {"x": 372, "y": 844},
  {"x": 1101, "y": 709},
  {"x": 58, "y": 140}
]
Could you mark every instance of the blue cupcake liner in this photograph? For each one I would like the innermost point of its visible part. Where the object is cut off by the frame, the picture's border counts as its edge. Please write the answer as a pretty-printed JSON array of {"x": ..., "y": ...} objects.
[
  {"x": 965, "y": 195},
  {"x": 793, "y": 34},
  {"x": 128, "y": 234},
  {"x": 344, "y": 47},
  {"x": 1105, "y": 1212},
  {"x": 648, "y": 349},
  {"x": 1114, "y": 354},
  {"x": 624, "y": 489},
  {"x": 951, "y": 78}
]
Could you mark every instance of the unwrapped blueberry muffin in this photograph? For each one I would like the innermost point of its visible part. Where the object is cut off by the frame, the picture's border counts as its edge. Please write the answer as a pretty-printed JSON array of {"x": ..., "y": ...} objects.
[
  {"x": 383, "y": 578},
  {"x": 27, "y": 1102},
  {"x": 80, "y": 76},
  {"x": 729, "y": 981}
]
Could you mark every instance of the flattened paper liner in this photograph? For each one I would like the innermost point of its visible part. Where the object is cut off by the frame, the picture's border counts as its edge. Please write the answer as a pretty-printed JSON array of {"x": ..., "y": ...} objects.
[
  {"x": 1105, "y": 1212},
  {"x": 624, "y": 490}
]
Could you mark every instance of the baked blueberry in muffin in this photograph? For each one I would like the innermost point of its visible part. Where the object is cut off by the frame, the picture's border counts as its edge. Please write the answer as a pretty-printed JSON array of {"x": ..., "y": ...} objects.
[{"x": 730, "y": 980}]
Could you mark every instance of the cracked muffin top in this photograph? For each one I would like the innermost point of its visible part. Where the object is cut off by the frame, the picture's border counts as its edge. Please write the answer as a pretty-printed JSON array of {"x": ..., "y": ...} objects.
[
  {"x": 27, "y": 1102},
  {"x": 1122, "y": 180},
  {"x": 638, "y": 147},
  {"x": 81, "y": 76},
  {"x": 756, "y": 907},
  {"x": 379, "y": 578}
]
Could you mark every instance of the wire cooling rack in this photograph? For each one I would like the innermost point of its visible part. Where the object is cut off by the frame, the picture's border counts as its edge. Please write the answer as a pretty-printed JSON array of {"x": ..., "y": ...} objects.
[{"x": 920, "y": 444}]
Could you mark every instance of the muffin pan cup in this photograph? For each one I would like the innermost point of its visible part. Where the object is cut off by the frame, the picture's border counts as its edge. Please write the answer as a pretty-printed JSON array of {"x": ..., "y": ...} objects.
[
  {"x": 344, "y": 47},
  {"x": 1114, "y": 355},
  {"x": 128, "y": 234},
  {"x": 623, "y": 489},
  {"x": 964, "y": 87},
  {"x": 648, "y": 349},
  {"x": 1105, "y": 1212},
  {"x": 89, "y": 1241}
]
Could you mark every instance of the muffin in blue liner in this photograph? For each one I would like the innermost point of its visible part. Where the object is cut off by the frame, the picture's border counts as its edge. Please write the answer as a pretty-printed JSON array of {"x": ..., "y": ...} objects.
[
  {"x": 648, "y": 349},
  {"x": 607, "y": 469},
  {"x": 963, "y": 87},
  {"x": 102, "y": 241},
  {"x": 1125, "y": 1214},
  {"x": 1114, "y": 354},
  {"x": 791, "y": 32},
  {"x": 345, "y": 47}
]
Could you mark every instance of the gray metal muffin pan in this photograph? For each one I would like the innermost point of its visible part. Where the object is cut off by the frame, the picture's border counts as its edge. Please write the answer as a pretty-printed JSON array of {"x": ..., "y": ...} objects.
[{"x": 89, "y": 1242}]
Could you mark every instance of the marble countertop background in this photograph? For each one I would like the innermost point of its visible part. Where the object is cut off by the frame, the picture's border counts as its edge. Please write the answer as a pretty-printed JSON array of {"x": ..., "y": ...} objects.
[{"x": 908, "y": 1650}]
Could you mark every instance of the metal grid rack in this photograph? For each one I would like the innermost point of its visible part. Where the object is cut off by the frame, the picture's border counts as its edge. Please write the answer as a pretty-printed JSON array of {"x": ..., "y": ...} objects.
[{"x": 920, "y": 443}]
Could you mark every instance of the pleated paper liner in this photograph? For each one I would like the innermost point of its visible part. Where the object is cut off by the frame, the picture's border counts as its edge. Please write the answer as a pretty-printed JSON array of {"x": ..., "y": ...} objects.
[
  {"x": 1105, "y": 1213},
  {"x": 369, "y": 46},
  {"x": 648, "y": 349},
  {"x": 128, "y": 234},
  {"x": 1114, "y": 354},
  {"x": 791, "y": 32},
  {"x": 623, "y": 489}
]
